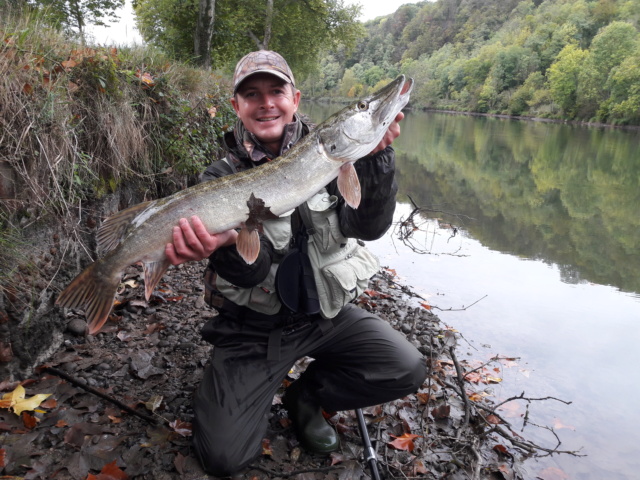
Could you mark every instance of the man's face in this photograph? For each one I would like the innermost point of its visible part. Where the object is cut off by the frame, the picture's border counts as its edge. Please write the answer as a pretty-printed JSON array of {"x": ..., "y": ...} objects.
[{"x": 265, "y": 104}]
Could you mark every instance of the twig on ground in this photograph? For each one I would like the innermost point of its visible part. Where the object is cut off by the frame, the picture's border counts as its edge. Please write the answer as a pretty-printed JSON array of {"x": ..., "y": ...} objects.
[{"x": 118, "y": 403}]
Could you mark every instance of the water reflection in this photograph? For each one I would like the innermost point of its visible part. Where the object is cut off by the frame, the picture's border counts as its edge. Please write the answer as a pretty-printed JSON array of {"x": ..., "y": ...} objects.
[
  {"x": 561, "y": 194},
  {"x": 565, "y": 195},
  {"x": 555, "y": 221}
]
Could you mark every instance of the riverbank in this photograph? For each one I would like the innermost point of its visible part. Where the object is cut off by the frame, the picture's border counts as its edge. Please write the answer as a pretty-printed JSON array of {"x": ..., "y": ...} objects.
[
  {"x": 558, "y": 121},
  {"x": 124, "y": 396}
]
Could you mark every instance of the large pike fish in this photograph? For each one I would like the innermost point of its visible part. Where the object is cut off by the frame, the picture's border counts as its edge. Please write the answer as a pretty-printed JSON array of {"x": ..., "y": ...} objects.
[{"x": 245, "y": 199}]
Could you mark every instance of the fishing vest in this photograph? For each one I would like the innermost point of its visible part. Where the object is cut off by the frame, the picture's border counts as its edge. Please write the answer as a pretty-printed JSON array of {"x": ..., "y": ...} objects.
[{"x": 341, "y": 266}]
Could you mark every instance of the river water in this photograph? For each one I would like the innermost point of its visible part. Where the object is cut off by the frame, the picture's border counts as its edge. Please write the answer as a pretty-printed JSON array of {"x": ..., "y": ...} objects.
[{"x": 544, "y": 267}]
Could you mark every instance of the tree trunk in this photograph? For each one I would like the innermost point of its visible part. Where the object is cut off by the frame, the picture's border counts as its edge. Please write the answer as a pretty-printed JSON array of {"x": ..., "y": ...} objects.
[
  {"x": 268, "y": 24},
  {"x": 204, "y": 33}
]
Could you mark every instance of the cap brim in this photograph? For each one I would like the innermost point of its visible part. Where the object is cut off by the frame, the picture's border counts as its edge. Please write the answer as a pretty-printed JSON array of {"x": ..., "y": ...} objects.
[{"x": 270, "y": 72}]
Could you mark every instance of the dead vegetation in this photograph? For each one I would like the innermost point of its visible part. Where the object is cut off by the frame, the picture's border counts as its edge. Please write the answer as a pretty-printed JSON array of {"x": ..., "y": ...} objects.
[{"x": 84, "y": 132}]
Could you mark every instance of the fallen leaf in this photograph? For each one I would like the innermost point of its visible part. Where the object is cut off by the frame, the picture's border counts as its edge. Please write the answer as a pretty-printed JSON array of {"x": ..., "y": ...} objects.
[
  {"x": 49, "y": 403},
  {"x": 179, "y": 462},
  {"x": 30, "y": 421},
  {"x": 504, "y": 468},
  {"x": 17, "y": 402},
  {"x": 181, "y": 427},
  {"x": 124, "y": 336},
  {"x": 558, "y": 424},
  {"x": 404, "y": 442},
  {"x": 295, "y": 454},
  {"x": 110, "y": 471},
  {"x": 501, "y": 449},
  {"x": 142, "y": 366},
  {"x": 75, "y": 435},
  {"x": 552, "y": 473},
  {"x": 441, "y": 412},
  {"x": 423, "y": 398},
  {"x": 419, "y": 467},
  {"x": 266, "y": 447},
  {"x": 475, "y": 396},
  {"x": 153, "y": 403},
  {"x": 492, "y": 419},
  {"x": 511, "y": 410}
]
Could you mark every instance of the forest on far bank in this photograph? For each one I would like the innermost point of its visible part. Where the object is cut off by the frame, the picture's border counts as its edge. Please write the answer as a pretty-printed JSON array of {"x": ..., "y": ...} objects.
[{"x": 560, "y": 59}]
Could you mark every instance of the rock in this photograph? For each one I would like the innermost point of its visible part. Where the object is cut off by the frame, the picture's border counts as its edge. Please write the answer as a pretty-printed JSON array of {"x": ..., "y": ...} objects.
[{"x": 77, "y": 326}]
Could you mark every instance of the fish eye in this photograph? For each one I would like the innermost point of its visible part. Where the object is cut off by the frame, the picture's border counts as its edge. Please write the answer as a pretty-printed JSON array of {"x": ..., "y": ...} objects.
[{"x": 362, "y": 105}]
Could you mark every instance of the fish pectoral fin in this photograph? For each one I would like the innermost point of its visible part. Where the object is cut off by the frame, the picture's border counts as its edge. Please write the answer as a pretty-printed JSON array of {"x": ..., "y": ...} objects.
[
  {"x": 92, "y": 291},
  {"x": 248, "y": 244},
  {"x": 349, "y": 185},
  {"x": 115, "y": 227},
  {"x": 153, "y": 272},
  {"x": 248, "y": 241}
]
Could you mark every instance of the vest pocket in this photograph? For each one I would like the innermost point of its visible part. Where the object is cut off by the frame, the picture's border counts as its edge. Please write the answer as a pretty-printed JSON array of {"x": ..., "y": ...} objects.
[
  {"x": 346, "y": 279},
  {"x": 321, "y": 213}
]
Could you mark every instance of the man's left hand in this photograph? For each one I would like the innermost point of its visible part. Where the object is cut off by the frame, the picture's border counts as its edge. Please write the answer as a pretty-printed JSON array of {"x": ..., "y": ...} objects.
[{"x": 392, "y": 133}]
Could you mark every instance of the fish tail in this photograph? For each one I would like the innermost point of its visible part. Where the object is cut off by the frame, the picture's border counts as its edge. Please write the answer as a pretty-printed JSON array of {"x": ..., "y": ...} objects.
[{"x": 93, "y": 291}]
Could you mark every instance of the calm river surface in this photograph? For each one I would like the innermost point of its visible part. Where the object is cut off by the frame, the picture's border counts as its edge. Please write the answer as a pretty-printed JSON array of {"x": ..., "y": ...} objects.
[{"x": 549, "y": 241}]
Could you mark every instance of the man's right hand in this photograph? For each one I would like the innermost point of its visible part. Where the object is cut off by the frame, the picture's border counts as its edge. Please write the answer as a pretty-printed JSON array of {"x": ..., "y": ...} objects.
[{"x": 191, "y": 241}]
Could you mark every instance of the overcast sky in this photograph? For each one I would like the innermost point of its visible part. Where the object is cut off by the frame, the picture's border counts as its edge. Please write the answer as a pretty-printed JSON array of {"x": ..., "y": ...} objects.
[
  {"x": 124, "y": 31},
  {"x": 375, "y": 8}
]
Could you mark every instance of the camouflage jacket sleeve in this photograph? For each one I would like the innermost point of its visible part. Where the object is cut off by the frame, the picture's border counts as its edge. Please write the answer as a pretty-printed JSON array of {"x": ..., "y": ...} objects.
[
  {"x": 226, "y": 261},
  {"x": 374, "y": 216}
]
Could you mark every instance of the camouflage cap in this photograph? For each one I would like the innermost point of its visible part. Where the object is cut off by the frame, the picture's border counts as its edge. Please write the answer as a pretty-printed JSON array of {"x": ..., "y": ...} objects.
[{"x": 262, "y": 61}]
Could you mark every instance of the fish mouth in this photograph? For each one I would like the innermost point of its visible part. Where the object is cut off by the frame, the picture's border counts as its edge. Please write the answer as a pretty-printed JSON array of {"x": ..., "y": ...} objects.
[
  {"x": 390, "y": 100},
  {"x": 383, "y": 106}
]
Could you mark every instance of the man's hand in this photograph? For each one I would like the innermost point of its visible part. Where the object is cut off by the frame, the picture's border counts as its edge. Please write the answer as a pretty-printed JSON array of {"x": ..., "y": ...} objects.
[
  {"x": 191, "y": 241},
  {"x": 392, "y": 133}
]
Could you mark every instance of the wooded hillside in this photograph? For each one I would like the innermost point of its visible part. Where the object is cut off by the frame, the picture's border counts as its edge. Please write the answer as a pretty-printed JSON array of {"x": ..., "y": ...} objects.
[{"x": 565, "y": 59}]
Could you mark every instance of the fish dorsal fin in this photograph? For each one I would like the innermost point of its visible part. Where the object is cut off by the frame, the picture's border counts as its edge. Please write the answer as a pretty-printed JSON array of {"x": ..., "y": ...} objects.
[
  {"x": 153, "y": 272},
  {"x": 349, "y": 185},
  {"x": 248, "y": 244},
  {"x": 115, "y": 228}
]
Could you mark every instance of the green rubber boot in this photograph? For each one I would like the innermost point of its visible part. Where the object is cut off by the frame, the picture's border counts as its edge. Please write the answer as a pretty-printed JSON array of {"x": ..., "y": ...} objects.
[{"x": 314, "y": 433}]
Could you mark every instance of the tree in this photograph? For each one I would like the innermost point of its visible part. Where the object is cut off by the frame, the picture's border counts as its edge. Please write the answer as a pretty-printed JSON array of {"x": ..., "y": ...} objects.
[
  {"x": 625, "y": 91},
  {"x": 77, "y": 14},
  {"x": 299, "y": 30},
  {"x": 563, "y": 78},
  {"x": 167, "y": 27},
  {"x": 609, "y": 48},
  {"x": 204, "y": 32}
]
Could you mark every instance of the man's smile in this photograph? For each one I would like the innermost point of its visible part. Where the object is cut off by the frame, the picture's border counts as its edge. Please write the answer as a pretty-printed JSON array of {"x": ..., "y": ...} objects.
[{"x": 267, "y": 119}]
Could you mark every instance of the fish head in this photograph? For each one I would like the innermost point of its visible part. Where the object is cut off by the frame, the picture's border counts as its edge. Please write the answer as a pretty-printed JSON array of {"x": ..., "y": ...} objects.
[{"x": 356, "y": 130}]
